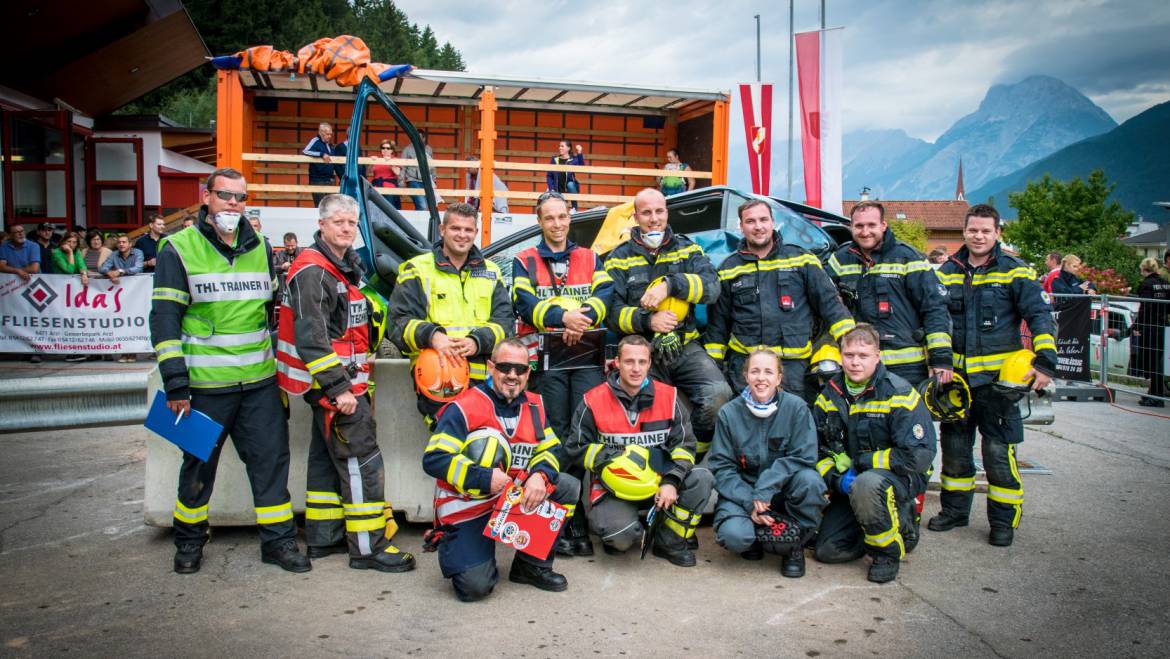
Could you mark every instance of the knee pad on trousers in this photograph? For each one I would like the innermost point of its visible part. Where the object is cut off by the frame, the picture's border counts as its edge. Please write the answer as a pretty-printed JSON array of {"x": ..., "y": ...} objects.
[
  {"x": 624, "y": 539},
  {"x": 477, "y": 582}
]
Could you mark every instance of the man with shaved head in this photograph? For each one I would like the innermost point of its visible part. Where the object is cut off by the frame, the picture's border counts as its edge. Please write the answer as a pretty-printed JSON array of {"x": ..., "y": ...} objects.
[{"x": 658, "y": 278}]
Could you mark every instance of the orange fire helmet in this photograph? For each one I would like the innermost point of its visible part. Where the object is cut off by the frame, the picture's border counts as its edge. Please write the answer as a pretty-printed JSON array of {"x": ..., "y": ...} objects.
[{"x": 438, "y": 379}]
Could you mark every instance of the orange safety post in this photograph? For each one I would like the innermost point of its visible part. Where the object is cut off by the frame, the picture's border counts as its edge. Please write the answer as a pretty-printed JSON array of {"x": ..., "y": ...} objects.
[
  {"x": 487, "y": 158},
  {"x": 720, "y": 127},
  {"x": 229, "y": 120}
]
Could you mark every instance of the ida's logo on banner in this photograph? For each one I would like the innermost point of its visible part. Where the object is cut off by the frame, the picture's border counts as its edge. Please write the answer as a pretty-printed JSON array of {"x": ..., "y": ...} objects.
[{"x": 39, "y": 294}]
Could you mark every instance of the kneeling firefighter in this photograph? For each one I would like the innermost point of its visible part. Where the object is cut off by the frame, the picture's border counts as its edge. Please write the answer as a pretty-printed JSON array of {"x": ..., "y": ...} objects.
[
  {"x": 325, "y": 339},
  {"x": 877, "y": 445}
]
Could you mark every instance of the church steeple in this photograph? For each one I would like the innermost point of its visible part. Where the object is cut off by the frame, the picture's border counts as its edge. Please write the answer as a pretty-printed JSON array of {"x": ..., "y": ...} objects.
[{"x": 960, "y": 193}]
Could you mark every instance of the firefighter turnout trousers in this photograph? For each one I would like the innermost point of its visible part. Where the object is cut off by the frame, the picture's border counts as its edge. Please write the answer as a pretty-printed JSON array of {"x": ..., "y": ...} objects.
[
  {"x": 254, "y": 418},
  {"x": 617, "y": 520},
  {"x": 697, "y": 376},
  {"x": 998, "y": 421},
  {"x": 468, "y": 558},
  {"x": 345, "y": 483},
  {"x": 868, "y": 520}
]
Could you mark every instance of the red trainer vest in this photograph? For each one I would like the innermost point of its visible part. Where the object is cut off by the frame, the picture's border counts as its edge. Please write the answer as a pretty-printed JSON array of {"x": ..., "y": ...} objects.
[
  {"x": 577, "y": 283},
  {"x": 651, "y": 427},
  {"x": 452, "y": 506},
  {"x": 352, "y": 347}
]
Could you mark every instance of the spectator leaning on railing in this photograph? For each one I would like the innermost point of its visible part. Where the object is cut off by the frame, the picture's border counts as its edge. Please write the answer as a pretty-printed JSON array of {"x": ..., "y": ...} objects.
[
  {"x": 22, "y": 258},
  {"x": 96, "y": 253},
  {"x": 126, "y": 261}
]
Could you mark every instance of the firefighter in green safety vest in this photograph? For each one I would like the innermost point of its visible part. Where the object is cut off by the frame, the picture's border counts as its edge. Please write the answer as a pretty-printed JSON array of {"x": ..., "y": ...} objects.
[
  {"x": 213, "y": 296},
  {"x": 451, "y": 299}
]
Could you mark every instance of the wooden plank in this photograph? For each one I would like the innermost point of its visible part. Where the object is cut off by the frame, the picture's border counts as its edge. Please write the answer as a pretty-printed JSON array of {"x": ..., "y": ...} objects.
[
  {"x": 268, "y": 118},
  {"x": 474, "y": 164},
  {"x": 454, "y": 193}
]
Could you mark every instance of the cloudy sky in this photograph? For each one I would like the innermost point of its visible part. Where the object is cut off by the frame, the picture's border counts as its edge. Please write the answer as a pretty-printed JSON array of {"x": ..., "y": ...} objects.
[{"x": 914, "y": 65}]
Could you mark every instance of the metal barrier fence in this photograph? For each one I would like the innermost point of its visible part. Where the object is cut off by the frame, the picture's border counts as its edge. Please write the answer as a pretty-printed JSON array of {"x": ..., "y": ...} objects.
[{"x": 1127, "y": 343}]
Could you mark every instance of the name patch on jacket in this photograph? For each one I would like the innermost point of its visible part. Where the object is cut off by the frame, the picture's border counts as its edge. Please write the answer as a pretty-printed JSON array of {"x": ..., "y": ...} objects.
[
  {"x": 484, "y": 274},
  {"x": 649, "y": 438}
]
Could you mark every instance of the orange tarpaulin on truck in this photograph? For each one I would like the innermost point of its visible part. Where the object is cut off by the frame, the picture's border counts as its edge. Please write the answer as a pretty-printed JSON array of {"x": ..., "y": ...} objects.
[{"x": 344, "y": 60}]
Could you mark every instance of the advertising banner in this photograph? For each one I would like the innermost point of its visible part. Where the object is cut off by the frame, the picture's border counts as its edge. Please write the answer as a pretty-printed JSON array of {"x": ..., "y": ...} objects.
[
  {"x": 56, "y": 314},
  {"x": 1072, "y": 338}
]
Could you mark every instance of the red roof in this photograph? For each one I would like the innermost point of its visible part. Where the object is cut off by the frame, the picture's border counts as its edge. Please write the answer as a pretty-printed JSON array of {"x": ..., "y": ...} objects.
[{"x": 934, "y": 214}]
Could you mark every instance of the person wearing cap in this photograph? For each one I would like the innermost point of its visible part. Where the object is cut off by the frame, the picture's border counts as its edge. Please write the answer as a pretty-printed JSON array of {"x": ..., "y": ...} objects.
[{"x": 46, "y": 240}]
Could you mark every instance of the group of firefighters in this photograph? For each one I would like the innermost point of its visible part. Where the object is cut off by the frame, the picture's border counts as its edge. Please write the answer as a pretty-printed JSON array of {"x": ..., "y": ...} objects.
[{"x": 810, "y": 441}]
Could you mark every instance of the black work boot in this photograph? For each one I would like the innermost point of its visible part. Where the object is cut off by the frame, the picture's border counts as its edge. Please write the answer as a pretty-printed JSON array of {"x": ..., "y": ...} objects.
[
  {"x": 288, "y": 556},
  {"x": 535, "y": 575},
  {"x": 792, "y": 564},
  {"x": 946, "y": 520},
  {"x": 575, "y": 540},
  {"x": 188, "y": 558},
  {"x": 678, "y": 554},
  {"x": 328, "y": 550},
  {"x": 1000, "y": 536},
  {"x": 883, "y": 569},
  {"x": 389, "y": 560}
]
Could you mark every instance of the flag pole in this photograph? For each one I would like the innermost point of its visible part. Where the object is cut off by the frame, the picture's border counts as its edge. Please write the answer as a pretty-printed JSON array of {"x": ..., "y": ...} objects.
[
  {"x": 791, "y": 61},
  {"x": 758, "y": 78}
]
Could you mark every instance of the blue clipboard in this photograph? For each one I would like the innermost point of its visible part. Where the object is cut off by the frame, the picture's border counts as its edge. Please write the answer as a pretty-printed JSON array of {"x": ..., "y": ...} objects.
[{"x": 196, "y": 433}]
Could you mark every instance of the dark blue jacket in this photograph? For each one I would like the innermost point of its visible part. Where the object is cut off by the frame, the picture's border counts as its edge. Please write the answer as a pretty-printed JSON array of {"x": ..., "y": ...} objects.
[{"x": 319, "y": 172}]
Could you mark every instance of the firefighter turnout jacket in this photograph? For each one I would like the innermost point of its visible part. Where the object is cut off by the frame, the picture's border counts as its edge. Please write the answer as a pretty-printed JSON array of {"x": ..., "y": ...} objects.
[
  {"x": 210, "y": 309},
  {"x": 688, "y": 272},
  {"x": 609, "y": 419},
  {"x": 461, "y": 486},
  {"x": 772, "y": 303},
  {"x": 895, "y": 290},
  {"x": 886, "y": 426},
  {"x": 324, "y": 338},
  {"x": 540, "y": 274},
  {"x": 431, "y": 296},
  {"x": 986, "y": 305}
]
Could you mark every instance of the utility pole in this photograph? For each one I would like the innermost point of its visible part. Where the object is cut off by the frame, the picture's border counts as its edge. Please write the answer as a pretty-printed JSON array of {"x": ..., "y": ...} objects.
[
  {"x": 822, "y": 14},
  {"x": 791, "y": 68},
  {"x": 758, "y": 78}
]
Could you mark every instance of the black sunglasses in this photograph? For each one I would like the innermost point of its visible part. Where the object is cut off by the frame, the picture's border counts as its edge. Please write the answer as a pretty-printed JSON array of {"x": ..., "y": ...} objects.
[
  {"x": 510, "y": 367},
  {"x": 228, "y": 196}
]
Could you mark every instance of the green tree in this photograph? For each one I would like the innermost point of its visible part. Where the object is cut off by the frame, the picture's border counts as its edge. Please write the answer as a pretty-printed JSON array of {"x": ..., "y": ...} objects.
[
  {"x": 1054, "y": 215},
  {"x": 1105, "y": 252},
  {"x": 910, "y": 231},
  {"x": 229, "y": 26}
]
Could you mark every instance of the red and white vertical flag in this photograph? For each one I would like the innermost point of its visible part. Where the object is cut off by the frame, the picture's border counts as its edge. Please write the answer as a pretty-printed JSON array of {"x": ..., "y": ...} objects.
[
  {"x": 756, "y": 101},
  {"x": 818, "y": 64}
]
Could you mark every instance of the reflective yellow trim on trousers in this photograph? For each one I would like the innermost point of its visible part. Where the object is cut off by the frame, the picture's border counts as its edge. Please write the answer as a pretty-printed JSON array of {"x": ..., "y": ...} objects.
[
  {"x": 323, "y": 497},
  {"x": 323, "y": 514},
  {"x": 702, "y": 447},
  {"x": 190, "y": 515},
  {"x": 681, "y": 521},
  {"x": 358, "y": 525},
  {"x": 909, "y": 355},
  {"x": 364, "y": 508},
  {"x": 894, "y": 534},
  {"x": 954, "y": 484},
  {"x": 274, "y": 514},
  {"x": 1015, "y": 467}
]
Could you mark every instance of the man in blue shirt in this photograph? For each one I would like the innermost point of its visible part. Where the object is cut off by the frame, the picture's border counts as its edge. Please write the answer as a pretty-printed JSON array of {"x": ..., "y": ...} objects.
[
  {"x": 19, "y": 256},
  {"x": 148, "y": 242},
  {"x": 126, "y": 261}
]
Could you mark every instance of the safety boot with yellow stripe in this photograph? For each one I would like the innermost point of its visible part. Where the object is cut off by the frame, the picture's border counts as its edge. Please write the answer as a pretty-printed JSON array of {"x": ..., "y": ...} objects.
[{"x": 390, "y": 559}]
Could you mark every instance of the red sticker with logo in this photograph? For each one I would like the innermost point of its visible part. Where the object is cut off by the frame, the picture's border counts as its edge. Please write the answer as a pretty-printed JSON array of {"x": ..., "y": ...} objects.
[{"x": 785, "y": 302}]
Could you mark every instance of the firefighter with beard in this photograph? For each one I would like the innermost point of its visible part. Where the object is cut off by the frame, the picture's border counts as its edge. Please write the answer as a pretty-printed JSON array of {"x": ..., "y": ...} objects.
[
  {"x": 772, "y": 294},
  {"x": 888, "y": 284}
]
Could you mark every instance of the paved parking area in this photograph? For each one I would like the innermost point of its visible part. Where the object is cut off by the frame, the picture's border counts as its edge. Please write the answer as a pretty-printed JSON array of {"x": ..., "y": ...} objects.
[{"x": 1087, "y": 575}]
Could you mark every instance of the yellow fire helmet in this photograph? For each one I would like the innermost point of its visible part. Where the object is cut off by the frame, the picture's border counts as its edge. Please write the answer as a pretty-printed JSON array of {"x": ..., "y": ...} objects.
[
  {"x": 630, "y": 476},
  {"x": 1013, "y": 374},
  {"x": 487, "y": 448},
  {"x": 680, "y": 308},
  {"x": 947, "y": 402},
  {"x": 825, "y": 362}
]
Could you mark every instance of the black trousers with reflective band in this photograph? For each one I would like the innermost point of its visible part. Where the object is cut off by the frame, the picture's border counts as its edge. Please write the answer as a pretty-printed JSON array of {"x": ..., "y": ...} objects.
[
  {"x": 255, "y": 420},
  {"x": 868, "y": 520},
  {"x": 998, "y": 421}
]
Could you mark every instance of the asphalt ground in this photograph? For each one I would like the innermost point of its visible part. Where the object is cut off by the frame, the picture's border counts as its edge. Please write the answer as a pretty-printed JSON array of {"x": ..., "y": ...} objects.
[{"x": 1087, "y": 576}]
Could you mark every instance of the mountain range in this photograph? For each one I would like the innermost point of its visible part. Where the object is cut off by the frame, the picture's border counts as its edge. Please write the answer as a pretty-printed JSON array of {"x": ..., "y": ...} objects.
[{"x": 1014, "y": 128}]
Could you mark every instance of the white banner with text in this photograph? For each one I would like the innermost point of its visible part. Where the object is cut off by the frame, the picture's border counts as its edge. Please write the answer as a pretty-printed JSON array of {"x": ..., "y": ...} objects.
[{"x": 56, "y": 314}]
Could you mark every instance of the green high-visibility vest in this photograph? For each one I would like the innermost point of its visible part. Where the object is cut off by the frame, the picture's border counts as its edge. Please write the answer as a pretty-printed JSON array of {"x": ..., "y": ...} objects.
[{"x": 225, "y": 336}]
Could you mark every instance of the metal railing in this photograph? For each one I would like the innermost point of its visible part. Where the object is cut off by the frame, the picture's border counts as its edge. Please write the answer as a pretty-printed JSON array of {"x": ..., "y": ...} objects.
[{"x": 1127, "y": 343}]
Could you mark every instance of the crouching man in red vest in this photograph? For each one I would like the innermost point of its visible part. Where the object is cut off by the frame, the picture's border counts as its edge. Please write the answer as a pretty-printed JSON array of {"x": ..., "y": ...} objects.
[
  {"x": 634, "y": 438},
  {"x": 465, "y": 491},
  {"x": 323, "y": 346}
]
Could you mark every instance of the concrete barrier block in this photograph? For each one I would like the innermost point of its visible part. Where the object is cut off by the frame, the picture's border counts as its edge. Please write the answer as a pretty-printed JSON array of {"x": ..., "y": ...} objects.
[{"x": 401, "y": 434}]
